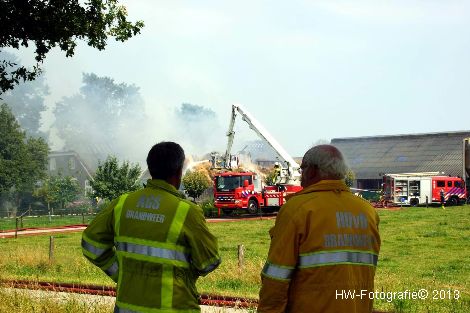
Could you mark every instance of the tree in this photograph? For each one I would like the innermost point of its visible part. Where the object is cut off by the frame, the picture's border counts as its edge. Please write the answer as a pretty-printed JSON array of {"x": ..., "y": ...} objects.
[
  {"x": 59, "y": 190},
  {"x": 27, "y": 100},
  {"x": 111, "y": 179},
  {"x": 22, "y": 160},
  {"x": 12, "y": 149},
  {"x": 195, "y": 182},
  {"x": 60, "y": 23},
  {"x": 66, "y": 190},
  {"x": 35, "y": 167}
]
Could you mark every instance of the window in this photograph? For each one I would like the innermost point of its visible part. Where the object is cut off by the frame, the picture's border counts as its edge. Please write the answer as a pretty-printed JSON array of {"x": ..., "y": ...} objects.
[
  {"x": 441, "y": 183},
  {"x": 248, "y": 178},
  {"x": 228, "y": 183},
  {"x": 449, "y": 183},
  {"x": 52, "y": 165},
  {"x": 457, "y": 184},
  {"x": 72, "y": 163}
]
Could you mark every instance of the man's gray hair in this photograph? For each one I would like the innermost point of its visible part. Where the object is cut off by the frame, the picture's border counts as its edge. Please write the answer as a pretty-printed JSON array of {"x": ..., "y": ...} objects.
[{"x": 328, "y": 160}]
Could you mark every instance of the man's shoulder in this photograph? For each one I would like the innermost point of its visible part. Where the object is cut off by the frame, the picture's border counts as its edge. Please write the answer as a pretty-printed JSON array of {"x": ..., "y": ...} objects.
[
  {"x": 296, "y": 199},
  {"x": 190, "y": 203}
]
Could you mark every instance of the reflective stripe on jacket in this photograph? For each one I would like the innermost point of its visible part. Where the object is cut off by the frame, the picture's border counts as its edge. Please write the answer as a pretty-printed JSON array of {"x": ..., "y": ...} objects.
[
  {"x": 154, "y": 245},
  {"x": 325, "y": 240}
]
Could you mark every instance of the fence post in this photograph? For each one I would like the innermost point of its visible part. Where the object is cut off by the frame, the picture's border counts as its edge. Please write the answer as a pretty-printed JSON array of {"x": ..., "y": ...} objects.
[
  {"x": 16, "y": 228},
  {"x": 241, "y": 256},
  {"x": 49, "y": 211},
  {"x": 83, "y": 218},
  {"x": 51, "y": 248}
]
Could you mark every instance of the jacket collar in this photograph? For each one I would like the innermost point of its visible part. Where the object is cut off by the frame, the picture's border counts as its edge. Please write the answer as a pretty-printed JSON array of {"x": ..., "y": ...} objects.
[
  {"x": 325, "y": 185},
  {"x": 159, "y": 183}
]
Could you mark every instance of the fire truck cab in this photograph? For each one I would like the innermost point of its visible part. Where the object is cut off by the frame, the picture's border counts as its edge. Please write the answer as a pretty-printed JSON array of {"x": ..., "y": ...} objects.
[
  {"x": 237, "y": 190},
  {"x": 423, "y": 188}
]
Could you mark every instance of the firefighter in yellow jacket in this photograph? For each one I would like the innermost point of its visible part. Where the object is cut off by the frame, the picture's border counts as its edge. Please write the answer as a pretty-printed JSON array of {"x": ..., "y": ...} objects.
[
  {"x": 324, "y": 245},
  {"x": 152, "y": 242}
]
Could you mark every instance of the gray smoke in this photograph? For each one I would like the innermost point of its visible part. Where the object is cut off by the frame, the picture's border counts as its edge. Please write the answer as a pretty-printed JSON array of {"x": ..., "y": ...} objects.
[{"x": 106, "y": 117}]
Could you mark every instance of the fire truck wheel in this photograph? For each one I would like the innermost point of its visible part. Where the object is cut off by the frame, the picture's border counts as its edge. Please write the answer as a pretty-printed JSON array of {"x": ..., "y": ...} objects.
[
  {"x": 453, "y": 201},
  {"x": 252, "y": 206}
]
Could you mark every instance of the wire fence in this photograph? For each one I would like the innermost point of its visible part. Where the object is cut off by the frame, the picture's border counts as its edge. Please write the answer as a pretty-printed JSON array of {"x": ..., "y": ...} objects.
[{"x": 31, "y": 219}]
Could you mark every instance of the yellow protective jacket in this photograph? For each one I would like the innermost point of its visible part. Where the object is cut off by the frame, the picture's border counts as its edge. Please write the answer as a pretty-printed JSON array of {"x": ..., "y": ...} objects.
[
  {"x": 154, "y": 244},
  {"x": 325, "y": 243}
]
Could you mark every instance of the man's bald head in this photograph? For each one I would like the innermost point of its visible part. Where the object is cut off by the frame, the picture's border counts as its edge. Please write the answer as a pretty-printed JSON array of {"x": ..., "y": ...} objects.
[{"x": 323, "y": 162}]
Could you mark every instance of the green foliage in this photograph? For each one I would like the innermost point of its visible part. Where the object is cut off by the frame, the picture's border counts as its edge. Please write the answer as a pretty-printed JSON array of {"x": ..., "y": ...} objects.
[
  {"x": 59, "y": 190},
  {"x": 208, "y": 208},
  {"x": 58, "y": 23},
  {"x": 350, "y": 177},
  {"x": 12, "y": 149},
  {"x": 195, "y": 182},
  {"x": 35, "y": 168},
  {"x": 102, "y": 204},
  {"x": 22, "y": 160},
  {"x": 111, "y": 179}
]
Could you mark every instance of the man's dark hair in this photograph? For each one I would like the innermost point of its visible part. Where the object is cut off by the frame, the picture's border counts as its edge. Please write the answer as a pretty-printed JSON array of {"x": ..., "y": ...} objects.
[{"x": 165, "y": 160}]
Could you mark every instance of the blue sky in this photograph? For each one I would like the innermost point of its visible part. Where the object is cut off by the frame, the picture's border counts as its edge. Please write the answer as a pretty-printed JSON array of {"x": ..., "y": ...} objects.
[{"x": 307, "y": 70}]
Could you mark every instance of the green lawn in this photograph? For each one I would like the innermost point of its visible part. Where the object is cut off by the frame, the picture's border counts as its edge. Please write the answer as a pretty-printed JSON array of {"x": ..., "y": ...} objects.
[
  {"x": 43, "y": 221},
  {"x": 422, "y": 248}
]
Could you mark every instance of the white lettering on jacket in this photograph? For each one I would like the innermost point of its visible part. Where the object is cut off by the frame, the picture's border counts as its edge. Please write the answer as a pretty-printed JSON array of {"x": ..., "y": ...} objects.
[
  {"x": 145, "y": 216},
  {"x": 348, "y": 240},
  {"x": 349, "y": 220},
  {"x": 149, "y": 202}
]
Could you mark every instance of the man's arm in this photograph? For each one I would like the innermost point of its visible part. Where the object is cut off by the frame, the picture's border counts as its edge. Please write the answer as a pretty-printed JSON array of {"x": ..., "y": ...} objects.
[
  {"x": 280, "y": 265},
  {"x": 204, "y": 248},
  {"x": 98, "y": 242}
]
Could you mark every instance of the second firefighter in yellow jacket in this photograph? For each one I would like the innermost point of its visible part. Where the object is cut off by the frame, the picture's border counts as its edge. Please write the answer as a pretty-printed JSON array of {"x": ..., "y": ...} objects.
[
  {"x": 152, "y": 242},
  {"x": 325, "y": 243}
]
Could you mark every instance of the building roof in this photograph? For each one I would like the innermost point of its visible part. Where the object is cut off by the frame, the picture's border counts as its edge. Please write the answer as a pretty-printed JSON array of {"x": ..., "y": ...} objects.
[
  {"x": 74, "y": 154},
  {"x": 371, "y": 157}
]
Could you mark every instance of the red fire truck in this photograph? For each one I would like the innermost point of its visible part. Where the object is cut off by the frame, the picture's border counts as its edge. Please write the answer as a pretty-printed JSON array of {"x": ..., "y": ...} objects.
[
  {"x": 245, "y": 190},
  {"x": 422, "y": 188}
]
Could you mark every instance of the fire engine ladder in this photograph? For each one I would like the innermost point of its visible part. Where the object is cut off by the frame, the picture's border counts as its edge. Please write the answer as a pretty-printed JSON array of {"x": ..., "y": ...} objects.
[{"x": 292, "y": 169}]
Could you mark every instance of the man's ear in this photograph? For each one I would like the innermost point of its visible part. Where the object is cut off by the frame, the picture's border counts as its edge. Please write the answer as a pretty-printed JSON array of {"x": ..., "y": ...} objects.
[{"x": 311, "y": 172}]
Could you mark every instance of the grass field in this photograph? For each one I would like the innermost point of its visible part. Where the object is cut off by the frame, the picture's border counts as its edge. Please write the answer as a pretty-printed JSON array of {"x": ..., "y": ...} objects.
[
  {"x": 422, "y": 248},
  {"x": 14, "y": 300},
  {"x": 43, "y": 221}
]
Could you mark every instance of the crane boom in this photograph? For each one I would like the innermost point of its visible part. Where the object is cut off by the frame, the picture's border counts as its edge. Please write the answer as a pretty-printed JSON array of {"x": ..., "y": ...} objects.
[
  {"x": 290, "y": 173},
  {"x": 230, "y": 135}
]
